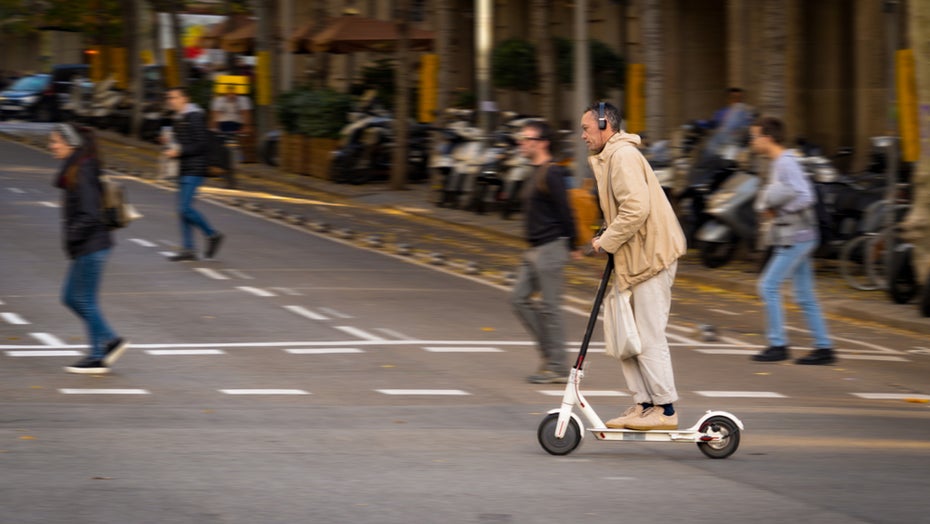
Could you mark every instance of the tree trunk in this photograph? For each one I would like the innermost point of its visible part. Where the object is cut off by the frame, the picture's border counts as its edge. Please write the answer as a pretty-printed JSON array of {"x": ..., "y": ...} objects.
[
  {"x": 133, "y": 46},
  {"x": 916, "y": 225},
  {"x": 772, "y": 96},
  {"x": 444, "y": 52},
  {"x": 653, "y": 49},
  {"x": 401, "y": 98},
  {"x": 542, "y": 38}
]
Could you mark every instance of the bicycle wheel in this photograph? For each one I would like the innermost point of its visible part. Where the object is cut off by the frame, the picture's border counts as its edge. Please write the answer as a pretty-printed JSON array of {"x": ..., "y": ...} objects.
[
  {"x": 876, "y": 257},
  {"x": 854, "y": 261}
]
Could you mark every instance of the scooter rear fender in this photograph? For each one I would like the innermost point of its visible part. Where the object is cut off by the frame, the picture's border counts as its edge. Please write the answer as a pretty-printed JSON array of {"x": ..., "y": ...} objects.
[{"x": 715, "y": 232}]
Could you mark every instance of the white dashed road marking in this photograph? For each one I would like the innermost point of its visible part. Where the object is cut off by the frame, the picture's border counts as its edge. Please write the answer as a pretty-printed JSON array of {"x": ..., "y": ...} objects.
[
  {"x": 587, "y": 393},
  {"x": 48, "y": 339},
  {"x": 422, "y": 392},
  {"x": 210, "y": 273},
  {"x": 264, "y": 392},
  {"x": 256, "y": 291},
  {"x": 740, "y": 394},
  {"x": 142, "y": 242},
  {"x": 45, "y": 353},
  {"x": 70, "y": 391},
  {"x": 891, "y": 396},
  {"x": 13, "y": 318},
  {"x": 306, "y": 313},
  {"x": 335, "y": 314},
  {"x": 322, "y": 351},
  {"x": 359, "y": 333},
  {"x": 183, "y": 352},
  {"x": 462, "y": 349}
]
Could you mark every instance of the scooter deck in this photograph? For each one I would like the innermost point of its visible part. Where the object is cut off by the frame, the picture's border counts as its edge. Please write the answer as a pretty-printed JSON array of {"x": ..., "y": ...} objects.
[{"x": 653, "y": 435}]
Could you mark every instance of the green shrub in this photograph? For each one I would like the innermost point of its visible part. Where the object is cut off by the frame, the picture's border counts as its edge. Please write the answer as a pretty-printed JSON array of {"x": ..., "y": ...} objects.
[
  {"x": 513, "y": 65},
  {"x": 317, "y": 113}
]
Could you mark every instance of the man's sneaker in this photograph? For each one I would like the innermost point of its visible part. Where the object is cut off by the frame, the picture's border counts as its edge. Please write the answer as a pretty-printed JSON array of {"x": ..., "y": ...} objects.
[
  {"x": 629, "y": 415},
  {"x": 547, "y": 376},
  {"x": 88, "y": 365},
  {"x": 654, "y": 418},
  {"x": 772, "y": 354},
  {"x": 213, "y": 244},
  {"x": 182, "y": 256},
  {"x": 818, "y": 357},
  {"x": 115, "y": 350}
]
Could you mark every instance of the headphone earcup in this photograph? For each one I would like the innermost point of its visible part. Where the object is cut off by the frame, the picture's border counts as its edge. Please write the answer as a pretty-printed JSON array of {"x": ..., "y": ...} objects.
[{"x": 601, "y": 117}]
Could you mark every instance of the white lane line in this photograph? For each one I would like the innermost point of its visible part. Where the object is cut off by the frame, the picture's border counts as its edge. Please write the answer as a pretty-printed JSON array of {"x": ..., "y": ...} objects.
[
  {"x": 49, "y": 204},
  {"x": 306, "y": 313},
  {"x": 422, "y": 392},
  {"x": 587, "y": 393},
  {"x": 142, "y": 242},
  {"x": 239, "y": 274},
  {"x": 256, "y": 291},
  {"x": 286, "y": 291},
  {"x": 740, "y": 394},
  {"x": 681, "y": 340},
  {"x": 167, "y": 254},
  {"x": 74, "y": 391},
  {"x": 727, "y": 351},
  {"x": 183, "y": 352},
  {"x": 886, "y": 358},
  {"x": 299, "y": 343},
  {"x": 48, "y": 339},
  {"x": 335, "y": 314},
  {"x": 322, "y": 351},
  {"x": 725, "y": 312},
  {"x": 45, "y": 353},
  {"x": 207, "y": 272},
  {"x": 16, "y": 190},
  {"x": 264, "y": 392},
  {"x": 13, "y": 318},
  {"x": 356, "y": 332},
  {"x": 891, "y": 396},
  {"x": 462, "y": 349}
]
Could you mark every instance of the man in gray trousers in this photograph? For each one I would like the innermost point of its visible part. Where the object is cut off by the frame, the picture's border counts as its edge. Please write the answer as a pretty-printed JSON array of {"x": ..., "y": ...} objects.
[{"x": 550, "y": 231}]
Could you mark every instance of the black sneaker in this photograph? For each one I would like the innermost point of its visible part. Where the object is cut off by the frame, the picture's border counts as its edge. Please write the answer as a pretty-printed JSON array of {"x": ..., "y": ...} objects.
[
  {"x": 213, "y": 244},
  {"x": 182, "y": 256},
  {"x": 772, "y": 354},
  {"x": 115, "y": 350},
  {"x": 88, "y": 365},
  {"x": 818, "y": 357}
]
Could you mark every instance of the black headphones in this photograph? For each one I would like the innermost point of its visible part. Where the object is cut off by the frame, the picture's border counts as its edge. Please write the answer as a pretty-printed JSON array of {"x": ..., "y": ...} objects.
[{"x": 601, "y": 117}]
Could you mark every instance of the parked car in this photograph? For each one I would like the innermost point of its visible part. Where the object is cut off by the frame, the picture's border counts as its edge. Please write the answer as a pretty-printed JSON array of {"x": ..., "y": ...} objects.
[
  {"x": 26, "y": 98},
  {"x": 41, "y": 97}
]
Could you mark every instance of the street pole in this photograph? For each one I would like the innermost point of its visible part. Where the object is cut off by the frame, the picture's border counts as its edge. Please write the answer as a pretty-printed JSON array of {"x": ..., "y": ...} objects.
[
  {"x": 582, "y": 84},
  {"x": 484, "y": 37},
  {"x": 263, "y": 84},
  {"x": 401, "y": 99}
]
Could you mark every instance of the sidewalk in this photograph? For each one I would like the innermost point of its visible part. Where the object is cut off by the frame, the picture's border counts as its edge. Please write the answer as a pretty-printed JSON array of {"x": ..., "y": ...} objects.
[{"x": 837, "y": 298}]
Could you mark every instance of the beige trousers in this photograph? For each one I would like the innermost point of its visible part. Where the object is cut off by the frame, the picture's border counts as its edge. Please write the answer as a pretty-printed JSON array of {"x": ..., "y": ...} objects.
[{"x": 649, "y": 376}]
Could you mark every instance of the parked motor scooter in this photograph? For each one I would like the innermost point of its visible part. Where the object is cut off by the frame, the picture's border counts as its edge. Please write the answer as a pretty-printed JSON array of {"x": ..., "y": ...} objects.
[
  {"x": 731, "y": 220},
  {"x": 462, "y": 160}
]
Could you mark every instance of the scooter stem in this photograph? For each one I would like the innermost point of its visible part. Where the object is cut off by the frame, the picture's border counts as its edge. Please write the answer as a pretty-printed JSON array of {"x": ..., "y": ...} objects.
[{"x": 595, "y": 308}]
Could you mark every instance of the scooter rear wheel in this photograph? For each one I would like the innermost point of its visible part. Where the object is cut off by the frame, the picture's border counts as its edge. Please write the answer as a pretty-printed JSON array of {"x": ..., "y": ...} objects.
[
  {"x": 729, "y": 437},
  {"x": 558, "y": 446}
]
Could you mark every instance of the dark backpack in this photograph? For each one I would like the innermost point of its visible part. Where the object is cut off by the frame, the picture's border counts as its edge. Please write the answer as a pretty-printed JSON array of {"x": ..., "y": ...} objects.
[{"x": 218, "y": 156}]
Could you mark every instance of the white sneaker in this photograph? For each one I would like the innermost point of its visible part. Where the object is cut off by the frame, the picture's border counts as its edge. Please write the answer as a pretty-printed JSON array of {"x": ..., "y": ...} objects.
[{"x": 629, "y": 415}]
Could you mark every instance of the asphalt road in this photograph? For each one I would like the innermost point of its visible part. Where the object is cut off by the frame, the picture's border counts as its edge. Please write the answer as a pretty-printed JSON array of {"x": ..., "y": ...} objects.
[{"x": 302, "y": 377}]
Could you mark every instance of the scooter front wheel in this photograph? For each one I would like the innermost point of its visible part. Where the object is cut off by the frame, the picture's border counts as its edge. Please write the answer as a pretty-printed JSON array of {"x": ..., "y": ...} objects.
[
  {"x": 727, "y": 433},
  {"x": 558, "y": 446}
]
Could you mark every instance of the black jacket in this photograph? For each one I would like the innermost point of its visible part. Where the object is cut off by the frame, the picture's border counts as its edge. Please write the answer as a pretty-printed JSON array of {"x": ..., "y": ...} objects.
[
  {"x": 82, "y": 211},
  {"x": 190, "y": 132},
  {"x": 548, "y": 213}
]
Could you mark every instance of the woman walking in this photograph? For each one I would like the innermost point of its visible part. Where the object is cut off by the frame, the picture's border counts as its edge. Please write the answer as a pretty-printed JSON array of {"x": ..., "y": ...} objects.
[{"x": 87, "y": 243}]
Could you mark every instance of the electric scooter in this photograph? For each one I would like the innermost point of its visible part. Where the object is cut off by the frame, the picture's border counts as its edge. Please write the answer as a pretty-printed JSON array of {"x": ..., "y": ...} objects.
[{"x": 716, "y": 434}]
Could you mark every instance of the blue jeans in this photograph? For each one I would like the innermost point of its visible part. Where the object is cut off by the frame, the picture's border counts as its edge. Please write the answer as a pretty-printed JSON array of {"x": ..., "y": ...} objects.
[
  {"x": 792, "y": 262},
  {"x": 190, "y": 217},
  {"x": 80, "y": 291}
]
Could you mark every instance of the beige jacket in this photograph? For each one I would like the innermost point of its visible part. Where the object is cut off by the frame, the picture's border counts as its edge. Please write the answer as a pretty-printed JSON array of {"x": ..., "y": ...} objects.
[{"x": 642, "y": 232}]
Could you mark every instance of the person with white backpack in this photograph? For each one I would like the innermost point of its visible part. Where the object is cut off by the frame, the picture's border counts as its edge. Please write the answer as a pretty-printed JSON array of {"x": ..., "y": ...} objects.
[{"x": 646, "y": 240}]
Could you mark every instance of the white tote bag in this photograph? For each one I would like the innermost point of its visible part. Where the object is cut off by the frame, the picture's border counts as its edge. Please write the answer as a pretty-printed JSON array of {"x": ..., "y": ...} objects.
[{"x": 620, "y": 334}]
